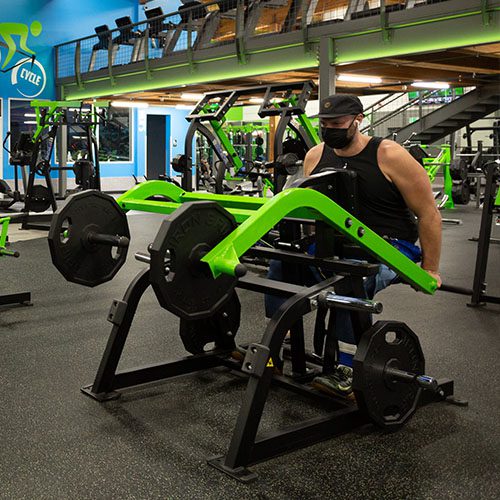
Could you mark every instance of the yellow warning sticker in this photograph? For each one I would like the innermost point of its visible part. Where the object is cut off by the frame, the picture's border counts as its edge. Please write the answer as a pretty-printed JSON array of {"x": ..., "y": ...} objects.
[{"x": 270, "y": 363}]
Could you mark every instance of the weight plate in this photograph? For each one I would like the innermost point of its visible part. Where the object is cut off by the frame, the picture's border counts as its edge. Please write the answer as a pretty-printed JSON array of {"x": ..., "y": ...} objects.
[
  {"x": 184, "y": 285},
  {"x": 179, "y": 164},
  {"x": 220, "y": 328},
  {"x": 459, "y": 169},
  {"x": 460, "y": 193},
  {"x": 76, "y": 259},
  {"x": 387, "y": 343},
  {"x": 39, "y": 198}
]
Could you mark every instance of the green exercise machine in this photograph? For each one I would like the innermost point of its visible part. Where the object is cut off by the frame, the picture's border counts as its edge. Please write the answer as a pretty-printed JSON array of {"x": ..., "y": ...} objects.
[
  {"x": 13, "y": 298},
  {"x": 194, "y": 267}
]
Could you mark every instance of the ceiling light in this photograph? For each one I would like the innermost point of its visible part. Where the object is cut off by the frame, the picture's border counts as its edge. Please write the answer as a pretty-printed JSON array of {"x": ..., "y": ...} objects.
[
  {"x": 184, "y": 106},
  {"x": 129, "y": 104},
  {"x": 191, "y": 97},
  {"x": 359, "y": 79},
  {"x": 431, "y": 85},
  {"x": 30, "y": 115},
  {"x": 256, "y": 100},
  {"x": 30, "y": 122}
]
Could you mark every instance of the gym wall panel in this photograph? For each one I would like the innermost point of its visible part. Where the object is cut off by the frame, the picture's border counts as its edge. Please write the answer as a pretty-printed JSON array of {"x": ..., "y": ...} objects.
[{"x": 59, "y": 21}]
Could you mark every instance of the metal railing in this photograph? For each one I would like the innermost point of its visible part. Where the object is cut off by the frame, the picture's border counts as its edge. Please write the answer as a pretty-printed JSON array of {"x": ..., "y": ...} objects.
[
  {"x": 204, "y": 26},
  {"x": 395, "y": 111}
]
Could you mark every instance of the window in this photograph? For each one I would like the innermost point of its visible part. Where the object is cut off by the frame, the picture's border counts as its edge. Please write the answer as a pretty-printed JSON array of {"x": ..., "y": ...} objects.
[
  {"x": 77, "y": 139},
  {"x": 115, "y": 136},
  {"x": 22, "y": 119}
]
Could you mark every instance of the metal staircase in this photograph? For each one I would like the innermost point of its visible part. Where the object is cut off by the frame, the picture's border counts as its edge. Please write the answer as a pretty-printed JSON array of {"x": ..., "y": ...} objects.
[{"x": 451, "y": 117}]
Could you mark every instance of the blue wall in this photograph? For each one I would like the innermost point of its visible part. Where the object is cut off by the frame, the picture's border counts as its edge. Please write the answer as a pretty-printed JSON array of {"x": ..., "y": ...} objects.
[{"x": 62, "y": 21}]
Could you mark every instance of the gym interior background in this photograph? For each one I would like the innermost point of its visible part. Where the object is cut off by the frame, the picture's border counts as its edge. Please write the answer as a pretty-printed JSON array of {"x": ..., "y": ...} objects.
[{"x": 142, "y": 82}]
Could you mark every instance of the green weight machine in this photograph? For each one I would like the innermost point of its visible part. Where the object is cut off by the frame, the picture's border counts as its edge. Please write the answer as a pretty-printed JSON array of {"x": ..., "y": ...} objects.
[
  {"x": 34, "y": 151},
  {"x": 456, "y": 189},
  {"x": 23, "y": 298},
  {"x": 194, "y": 267},
  {"x": 208, "y": 118}
]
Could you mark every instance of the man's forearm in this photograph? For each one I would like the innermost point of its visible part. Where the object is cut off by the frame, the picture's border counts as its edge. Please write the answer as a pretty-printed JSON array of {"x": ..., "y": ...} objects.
[{"x": 429, "y": 233}]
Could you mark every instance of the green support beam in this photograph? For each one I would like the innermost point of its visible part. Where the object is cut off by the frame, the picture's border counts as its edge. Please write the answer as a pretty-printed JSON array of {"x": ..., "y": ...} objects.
[
  {"x": 432, "y": 35},
  {"x": 257, "y": 216}
]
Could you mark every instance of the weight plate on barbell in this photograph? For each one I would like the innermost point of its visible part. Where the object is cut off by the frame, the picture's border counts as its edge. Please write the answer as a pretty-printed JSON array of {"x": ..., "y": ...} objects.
[
  {"x": 183, "y": 284},
  {"x": 389, "y": 403},
  {"x": 459, "y": 169},
  {"x": 77, "y": 260},
  {"x": 39, "y": 198},
  {"x": 220, "y": 328}
]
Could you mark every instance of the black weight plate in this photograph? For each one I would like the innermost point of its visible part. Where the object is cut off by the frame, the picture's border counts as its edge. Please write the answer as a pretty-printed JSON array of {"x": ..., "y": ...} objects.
[
  {"x": 460, "y": 193},
  {"x": 389, "y": 404},
  {"x": 76, "y": 259},
  {"x": 179, "y": 163},
  {"x": 459, "y": 169},
  {"x": 220, "y": 328},
  {"x": 186, "y": 286},
  {"x": 39, "y": 198}
]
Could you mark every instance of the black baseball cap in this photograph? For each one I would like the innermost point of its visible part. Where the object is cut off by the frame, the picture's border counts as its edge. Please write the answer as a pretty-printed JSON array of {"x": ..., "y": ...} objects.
[{"x": 337, "y": 105}]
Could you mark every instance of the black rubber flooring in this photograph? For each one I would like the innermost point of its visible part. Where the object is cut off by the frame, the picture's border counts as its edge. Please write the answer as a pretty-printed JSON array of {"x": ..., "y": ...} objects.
[{"x": 153, "y": 442}]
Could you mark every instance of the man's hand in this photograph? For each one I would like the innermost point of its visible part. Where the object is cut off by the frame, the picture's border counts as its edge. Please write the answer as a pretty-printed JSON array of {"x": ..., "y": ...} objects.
[{"x": 436, "y": 276}]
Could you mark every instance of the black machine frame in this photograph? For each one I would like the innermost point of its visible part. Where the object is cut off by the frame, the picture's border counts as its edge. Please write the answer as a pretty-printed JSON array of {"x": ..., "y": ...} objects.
[
  {"x": 267, "y": 108},
  {"x": 246, "y": 446}
]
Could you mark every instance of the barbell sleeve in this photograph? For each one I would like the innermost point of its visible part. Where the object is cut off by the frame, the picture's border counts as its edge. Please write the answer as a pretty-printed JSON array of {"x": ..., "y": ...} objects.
[
  {"x": 331, "y": 299},
  {"x": 108, "y": 239},
  {"x": 455, "y": 289},
  {"x": 423, "y": 381},
  {"x": 142, "y": 257}
]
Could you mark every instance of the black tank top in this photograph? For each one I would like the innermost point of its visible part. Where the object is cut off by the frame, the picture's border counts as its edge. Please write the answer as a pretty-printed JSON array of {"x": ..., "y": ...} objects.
[{"x": 381, "y": 205}]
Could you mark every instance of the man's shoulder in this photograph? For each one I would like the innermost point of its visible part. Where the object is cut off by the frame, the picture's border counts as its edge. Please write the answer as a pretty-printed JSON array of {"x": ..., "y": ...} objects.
[{"x": 316, "y": 151}]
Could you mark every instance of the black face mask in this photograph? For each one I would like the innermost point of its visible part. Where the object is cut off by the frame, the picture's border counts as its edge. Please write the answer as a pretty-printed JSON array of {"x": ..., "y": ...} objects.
[{"x": 337, "y": 138}]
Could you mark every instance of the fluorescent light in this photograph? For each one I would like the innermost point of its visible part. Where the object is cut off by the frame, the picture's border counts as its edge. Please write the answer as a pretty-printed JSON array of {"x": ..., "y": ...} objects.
[
  {"x": 129, "y": 104},
  {"x": 256, "y": 100},
  {"x": 30, "y": 115},
  {"x": 191, "y": 97},
  {"x": 431, "y": 85},
  {"x": 30, "y": 122},
  {"x": 359, "y": 79},
  {"x": 184, "y": 106}
]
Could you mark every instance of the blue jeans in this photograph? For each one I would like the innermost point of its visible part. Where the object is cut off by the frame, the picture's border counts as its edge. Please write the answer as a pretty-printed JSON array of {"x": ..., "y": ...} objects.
[{"x": 343, "y": 325}]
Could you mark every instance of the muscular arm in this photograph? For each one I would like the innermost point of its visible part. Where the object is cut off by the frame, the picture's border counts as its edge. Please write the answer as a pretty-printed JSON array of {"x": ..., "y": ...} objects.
[{"x": 414, "y": 185}]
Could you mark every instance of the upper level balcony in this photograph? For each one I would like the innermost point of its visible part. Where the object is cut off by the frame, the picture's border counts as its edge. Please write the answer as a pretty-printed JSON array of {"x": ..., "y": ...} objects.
[{"x": 210, "y": 41}]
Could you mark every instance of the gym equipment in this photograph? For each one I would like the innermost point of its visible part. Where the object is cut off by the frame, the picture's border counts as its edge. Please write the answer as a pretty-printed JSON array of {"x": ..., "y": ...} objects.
[
  {"x": 220, "y": 328},
  {"x": 179, "y": 164},
  {"x": 23, "y": 298},
  {"x": 388, "y": 373},
  {"x": 194, "y": 269},
  {"x": 461, "y": 193},
  {"x": 35, "y": 152},
  {"x": 83, "y": 237},
  {"x": 208, "y": 117},
  {"x": 187, "y": 288},
  {"x": 210, "y": 246},
  {"x": 491, "y": 208},
  {"x": 459, "y": 169}
]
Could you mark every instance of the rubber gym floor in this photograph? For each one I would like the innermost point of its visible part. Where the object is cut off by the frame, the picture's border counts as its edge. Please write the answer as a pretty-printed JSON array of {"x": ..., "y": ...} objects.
[{"x": 153, "y": 442}]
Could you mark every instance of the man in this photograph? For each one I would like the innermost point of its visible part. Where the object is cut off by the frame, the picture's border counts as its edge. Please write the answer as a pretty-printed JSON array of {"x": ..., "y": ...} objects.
[{"x": 392, "y": 186}]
